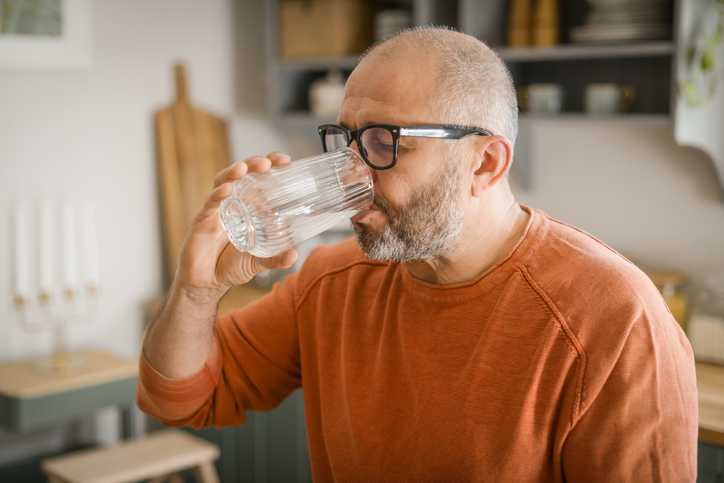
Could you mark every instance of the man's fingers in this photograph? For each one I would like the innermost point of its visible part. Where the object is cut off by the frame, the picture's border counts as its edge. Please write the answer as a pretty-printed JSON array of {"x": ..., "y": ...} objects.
[
  {"x": 279, "y": 159},
  {"x": 224, "y": 180},
  {"x": 259, "y": 164},
  {"x": 240, "y": 168},
  {"x": 211, "y": 207},
  {"x": 218, "y": 195},
  {"x": 286, "y": 259},
  {"x": 231, "y": 173},
  {"x": 282, "y": 260}
]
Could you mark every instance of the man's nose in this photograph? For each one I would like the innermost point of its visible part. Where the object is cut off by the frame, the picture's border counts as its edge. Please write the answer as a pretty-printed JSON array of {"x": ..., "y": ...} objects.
[
  {"x": 355, "y": 147},
  {"x": 373, "y": 172}
]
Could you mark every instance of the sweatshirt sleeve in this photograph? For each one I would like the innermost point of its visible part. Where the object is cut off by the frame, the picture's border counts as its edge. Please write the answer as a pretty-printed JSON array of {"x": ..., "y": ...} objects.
[
  {"x": 643, "y": 423},
  {"x": 253, "y": 364}
]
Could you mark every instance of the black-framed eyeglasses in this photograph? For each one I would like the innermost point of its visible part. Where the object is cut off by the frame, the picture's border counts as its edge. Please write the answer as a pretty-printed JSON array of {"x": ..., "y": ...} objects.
[{"x": 378, "y": 143}]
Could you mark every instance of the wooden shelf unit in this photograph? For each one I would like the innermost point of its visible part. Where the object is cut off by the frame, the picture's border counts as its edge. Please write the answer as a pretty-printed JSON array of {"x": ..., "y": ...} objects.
[
  {"x": 645, "y": 65},
  {"x": 586, "y": 52}
]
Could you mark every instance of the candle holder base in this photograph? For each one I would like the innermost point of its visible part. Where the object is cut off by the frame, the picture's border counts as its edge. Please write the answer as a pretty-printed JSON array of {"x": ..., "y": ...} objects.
[
  {"x": 59, "y": 362},
  {"x": 57, "y": 315}
]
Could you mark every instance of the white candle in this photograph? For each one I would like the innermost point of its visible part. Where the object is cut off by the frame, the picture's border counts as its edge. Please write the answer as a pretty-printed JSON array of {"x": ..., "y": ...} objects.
[
  {"x": 46, "y": 236},
  {"x": 90, "y": 246},
  {"x": 70, "y": 259},
  {"x": 22, "y": 253}
]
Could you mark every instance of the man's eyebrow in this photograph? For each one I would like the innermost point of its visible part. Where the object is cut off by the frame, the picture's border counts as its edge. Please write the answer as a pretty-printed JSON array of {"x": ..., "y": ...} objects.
[{"x": 363, "y": 124}]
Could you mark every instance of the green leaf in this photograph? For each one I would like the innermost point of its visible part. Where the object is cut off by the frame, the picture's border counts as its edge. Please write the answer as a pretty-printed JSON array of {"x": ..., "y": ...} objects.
[
  {"x": 708, "y": 60},
  {"x": 691, "y": 96}
]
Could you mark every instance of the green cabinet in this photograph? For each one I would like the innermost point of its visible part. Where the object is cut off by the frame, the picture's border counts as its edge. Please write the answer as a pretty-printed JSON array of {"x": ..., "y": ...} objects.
[
  {"x": 711, "y": 464},
  {"x": 269, "y": 446}
]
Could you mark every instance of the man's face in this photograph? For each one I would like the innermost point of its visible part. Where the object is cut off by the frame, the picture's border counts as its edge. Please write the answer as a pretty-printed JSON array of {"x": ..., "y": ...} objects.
[{"x": 417, "y": 212}]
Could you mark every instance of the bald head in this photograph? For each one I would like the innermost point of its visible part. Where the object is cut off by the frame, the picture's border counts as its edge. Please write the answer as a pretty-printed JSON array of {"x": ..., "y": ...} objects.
[{"x": 472, "y": 86}]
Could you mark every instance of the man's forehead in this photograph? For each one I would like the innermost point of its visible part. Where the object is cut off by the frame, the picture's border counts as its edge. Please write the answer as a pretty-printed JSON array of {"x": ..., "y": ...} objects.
[
  {"x": 388, "y": 91},
  {"x": 363, "y": 110}
]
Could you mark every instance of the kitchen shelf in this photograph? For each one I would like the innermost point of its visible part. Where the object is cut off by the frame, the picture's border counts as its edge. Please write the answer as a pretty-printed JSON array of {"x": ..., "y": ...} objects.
[
  {"x": 320, "y": 63},
  {"x": 527, "y": 54},
  {"x": 508, "y": 54},
  {"x": 647, "y": 66},
  {"x": 583, "y": 117},
  {"x": 585, "y": 52},
  {"x": 307, "y": 121}
]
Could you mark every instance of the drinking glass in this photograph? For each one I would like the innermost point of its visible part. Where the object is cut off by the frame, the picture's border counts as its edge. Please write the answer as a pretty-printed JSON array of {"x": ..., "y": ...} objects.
[{"x": 273, "y": 211}]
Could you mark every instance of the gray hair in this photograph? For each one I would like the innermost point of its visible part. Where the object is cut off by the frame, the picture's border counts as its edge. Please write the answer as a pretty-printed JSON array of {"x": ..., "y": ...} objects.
[{"x": 475, "y": 87}]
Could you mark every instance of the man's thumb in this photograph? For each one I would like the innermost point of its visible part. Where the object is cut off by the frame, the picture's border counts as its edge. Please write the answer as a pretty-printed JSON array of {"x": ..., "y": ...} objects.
[{"x": 282, "y": 260}]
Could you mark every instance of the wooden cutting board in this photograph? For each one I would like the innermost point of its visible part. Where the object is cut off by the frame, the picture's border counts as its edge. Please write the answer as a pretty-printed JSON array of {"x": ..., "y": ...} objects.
[{"x": 192, "y": 146}]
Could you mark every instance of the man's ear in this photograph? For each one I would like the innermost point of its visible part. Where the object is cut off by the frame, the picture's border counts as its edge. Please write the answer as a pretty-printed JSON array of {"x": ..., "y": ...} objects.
[{"x": 492, "y": 160}]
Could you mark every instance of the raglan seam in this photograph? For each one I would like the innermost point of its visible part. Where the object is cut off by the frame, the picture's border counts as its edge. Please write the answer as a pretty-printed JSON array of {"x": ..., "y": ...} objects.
[{"x": 570, "y": 338}]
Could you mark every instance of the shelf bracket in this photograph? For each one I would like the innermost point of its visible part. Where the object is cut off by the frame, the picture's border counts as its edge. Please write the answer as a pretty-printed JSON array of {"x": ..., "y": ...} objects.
[{"x": 699, "y": 116}]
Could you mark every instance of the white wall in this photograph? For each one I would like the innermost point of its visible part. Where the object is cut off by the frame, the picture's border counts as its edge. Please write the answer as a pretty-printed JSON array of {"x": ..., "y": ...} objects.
[
  {"x": 631, "y": 185},
  {"x": 88, "y": 135}
]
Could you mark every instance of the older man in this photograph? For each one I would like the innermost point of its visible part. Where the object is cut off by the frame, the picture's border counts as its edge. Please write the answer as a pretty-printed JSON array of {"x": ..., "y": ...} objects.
[{"x": 463, "y": 336}]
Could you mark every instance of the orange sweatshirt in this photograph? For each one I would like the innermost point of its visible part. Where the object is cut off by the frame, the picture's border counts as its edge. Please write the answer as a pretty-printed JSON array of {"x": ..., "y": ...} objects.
[{"x": 560, "y": 363}]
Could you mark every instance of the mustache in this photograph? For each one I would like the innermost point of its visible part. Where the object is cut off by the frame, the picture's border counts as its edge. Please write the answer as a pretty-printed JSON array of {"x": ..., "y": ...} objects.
[{"x": 382, "y": 204}]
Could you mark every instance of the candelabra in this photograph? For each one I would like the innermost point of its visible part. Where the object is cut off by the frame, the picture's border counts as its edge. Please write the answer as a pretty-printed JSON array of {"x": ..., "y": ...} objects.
[
  {"x": 54, "y": 312},
  {"x": 44, "y": 301}
]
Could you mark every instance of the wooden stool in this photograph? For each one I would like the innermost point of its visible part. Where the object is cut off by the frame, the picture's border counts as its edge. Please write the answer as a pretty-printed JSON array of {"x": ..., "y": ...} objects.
[{"x": 158, "y": 456}]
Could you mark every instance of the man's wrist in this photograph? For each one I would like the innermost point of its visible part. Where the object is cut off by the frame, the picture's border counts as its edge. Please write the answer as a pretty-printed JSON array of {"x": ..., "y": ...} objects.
[
  {"x": 197, "y": 307},
  {"x": 202, "y": 297}
]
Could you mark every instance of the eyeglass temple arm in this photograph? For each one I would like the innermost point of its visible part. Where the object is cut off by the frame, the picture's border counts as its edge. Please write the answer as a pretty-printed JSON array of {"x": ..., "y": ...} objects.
[{"x": 451, "y": 132}]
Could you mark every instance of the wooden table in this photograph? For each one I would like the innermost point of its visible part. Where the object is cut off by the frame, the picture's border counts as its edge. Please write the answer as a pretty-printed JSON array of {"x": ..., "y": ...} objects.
[
  {"x": 33, "y": 396},
  {"x": 710, "y": 378}
]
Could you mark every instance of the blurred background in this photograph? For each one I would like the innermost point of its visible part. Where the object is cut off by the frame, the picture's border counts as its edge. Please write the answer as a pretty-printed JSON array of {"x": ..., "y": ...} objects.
[{"x": 114, "y": 115}]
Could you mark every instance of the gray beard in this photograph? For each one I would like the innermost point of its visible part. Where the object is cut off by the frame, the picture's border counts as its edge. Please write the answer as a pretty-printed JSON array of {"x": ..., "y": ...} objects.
[{"x": 426, "y": 227}]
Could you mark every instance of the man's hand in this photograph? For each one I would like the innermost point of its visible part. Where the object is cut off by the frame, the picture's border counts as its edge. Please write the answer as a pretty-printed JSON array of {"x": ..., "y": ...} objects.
[
  {"x": 180, "y": 339},
  {"x": 209, "y": 264}
]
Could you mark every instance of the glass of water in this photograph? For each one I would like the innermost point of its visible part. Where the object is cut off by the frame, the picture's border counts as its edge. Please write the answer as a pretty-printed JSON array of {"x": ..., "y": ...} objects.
[{"x": 273, "y": 211}]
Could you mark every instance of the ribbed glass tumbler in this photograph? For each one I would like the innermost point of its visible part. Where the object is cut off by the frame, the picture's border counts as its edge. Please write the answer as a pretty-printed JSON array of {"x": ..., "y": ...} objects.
[{"x": 270, "y": 212}]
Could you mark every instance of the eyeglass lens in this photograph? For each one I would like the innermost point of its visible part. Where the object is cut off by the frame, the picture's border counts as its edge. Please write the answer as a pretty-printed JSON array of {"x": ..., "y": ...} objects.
[
  {"x": 334, "y": 139},
  {"x": 378, "y": 144}
]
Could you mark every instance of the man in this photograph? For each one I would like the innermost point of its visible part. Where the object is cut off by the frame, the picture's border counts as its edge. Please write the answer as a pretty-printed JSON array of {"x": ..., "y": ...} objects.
[{"x": 463, "y": 336}]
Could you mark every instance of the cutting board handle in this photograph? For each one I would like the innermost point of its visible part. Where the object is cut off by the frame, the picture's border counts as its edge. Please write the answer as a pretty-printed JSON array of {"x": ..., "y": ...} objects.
[{"x": 182, "y": 90}]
